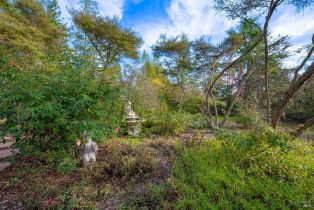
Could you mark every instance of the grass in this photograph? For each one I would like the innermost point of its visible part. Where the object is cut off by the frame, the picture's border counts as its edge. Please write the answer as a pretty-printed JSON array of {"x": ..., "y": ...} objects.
[{"x": 226, "y": 173}]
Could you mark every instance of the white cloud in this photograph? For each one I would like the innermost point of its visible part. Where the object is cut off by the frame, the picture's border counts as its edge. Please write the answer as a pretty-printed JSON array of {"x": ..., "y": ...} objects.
[
  {"x": 111, "y": 8},
  {"x": 106, "y": 8},
  {"x": 195, "y": 18},
  {"x": 298, "y": 26}
]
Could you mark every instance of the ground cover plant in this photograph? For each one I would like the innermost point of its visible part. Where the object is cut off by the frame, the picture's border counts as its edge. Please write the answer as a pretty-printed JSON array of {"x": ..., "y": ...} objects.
[{"x": 246, "y": 170}]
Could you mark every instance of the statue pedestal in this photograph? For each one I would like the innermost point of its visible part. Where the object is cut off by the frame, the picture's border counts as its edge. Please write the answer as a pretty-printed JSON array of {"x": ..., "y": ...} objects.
[{"x": 133, "y": 126}]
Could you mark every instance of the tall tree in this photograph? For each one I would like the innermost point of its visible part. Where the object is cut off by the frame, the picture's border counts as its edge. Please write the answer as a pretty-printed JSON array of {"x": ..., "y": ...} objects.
[
  {"x": 111, "y": 41},
  {"x": 79, "y": 40},
  {"x": 54, "y": 12},
  {"x": 302, "y": 74},
  {"x": 206, "y": 61},
  {"x": 210, "y": 60},
  {"x": 174, "y": 53},
  {"x": 27, "y": 33},
  {"x": 244, "y": 9}
]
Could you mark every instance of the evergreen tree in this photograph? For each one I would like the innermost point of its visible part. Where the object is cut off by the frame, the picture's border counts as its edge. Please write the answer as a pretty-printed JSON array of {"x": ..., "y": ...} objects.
[
  {"x": 27, "y": 33},
  {"x": 80, "y": 42},
  {"x": 174, "y": 53},
  {"x": 111, "y": 41},
  {"x": 54, "y": 12}
]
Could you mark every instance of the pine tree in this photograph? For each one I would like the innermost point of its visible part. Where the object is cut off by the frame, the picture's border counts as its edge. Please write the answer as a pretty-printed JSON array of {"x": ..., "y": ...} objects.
[
  {"x": 27, "y": 33},
  {"x": 54, "y": 12},
  {"x": 80, "y": 42}
]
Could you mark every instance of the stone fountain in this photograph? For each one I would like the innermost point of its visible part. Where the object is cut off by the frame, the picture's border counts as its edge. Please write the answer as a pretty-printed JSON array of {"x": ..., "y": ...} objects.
[{"x": 133, "y": 122}]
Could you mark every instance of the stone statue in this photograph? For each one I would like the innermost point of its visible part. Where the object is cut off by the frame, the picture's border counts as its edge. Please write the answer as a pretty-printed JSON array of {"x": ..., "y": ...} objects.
[
  {"x": 88, "y": 151},
  {"x": 129, "y": 113},
  {"x": 133, "y": 123}
]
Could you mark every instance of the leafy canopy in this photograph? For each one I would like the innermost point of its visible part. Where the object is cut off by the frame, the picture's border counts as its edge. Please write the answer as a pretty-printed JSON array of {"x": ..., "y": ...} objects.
[
  {"x": 111, "y": 41},
  {"x": 26, "y": 31}
]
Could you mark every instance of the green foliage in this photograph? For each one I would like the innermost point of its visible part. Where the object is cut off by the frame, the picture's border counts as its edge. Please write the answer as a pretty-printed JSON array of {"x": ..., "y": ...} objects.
[
  {"x": 198, "y": 121},
  {"x": 79, "y": 195},
  {"x": 46, "y": 111},
  {"x": 247, "y": 120},
  {"x": 168, "y": 122},
  {"x": 260, "y": 169},
  {"x": 301, "y": 107},
  {"x": 192, "y": 103},
  {"x": 148, "y": 91},
  {"x": 174, "y": 52},
  {"x": 111, "y": 41},
  {"x": 150, "y": 98},
  {"x": 54, "y": 12},
  {"x": 26, "y": 31},
  {"x": 63, "y": 165},
  {"x": 89, "y": 6}
]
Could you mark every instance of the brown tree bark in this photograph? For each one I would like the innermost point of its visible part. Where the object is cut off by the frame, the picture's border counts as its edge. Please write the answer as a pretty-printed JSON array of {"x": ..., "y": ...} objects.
[
  {"x": 242, "y": 82},
  {"x": 290, "y": 92},
  {"x": 273, "y": 5},
  {"x": 266, "y": 78},
  {"x": 304, "y": 126}
]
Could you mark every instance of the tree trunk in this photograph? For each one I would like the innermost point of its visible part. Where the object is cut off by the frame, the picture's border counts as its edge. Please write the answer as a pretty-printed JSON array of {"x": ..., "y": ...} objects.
[
  {"x": 248, "y": 74},
  {"x": 266, "y": 79},
  {"x": 292, "y": 90},
  {"x": 304, "y": 126},
  {"x": 215, "y": 107}
]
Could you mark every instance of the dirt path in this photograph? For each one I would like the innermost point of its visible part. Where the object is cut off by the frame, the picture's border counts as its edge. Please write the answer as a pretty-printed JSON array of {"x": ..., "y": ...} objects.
[{"x": 6, "y": 152}]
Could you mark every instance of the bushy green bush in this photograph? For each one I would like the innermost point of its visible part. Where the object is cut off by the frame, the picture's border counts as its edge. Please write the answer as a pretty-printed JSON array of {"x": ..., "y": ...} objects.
[
  {"x": 173, "y": 122},
  {"x": 47, "y": 110},
  {"x": 260, "y": 169},
  {"x": 191, "y": 104},
  {"x": 247, "y": 119},
  {"x": 168, "y": 122},
  {"x": 198, "y": 121}
]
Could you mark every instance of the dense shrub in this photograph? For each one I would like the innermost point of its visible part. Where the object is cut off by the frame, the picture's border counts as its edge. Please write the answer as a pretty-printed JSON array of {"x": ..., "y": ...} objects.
[
  {"x": 168, "y": 122},
  {"x": 247, "y": 118},
  {"x": 260, "y": 169},
  {"x": 47, "y": 110},
  {"x": 198, "y": 121},
  {"x": 301, "y": 107},
  {"x": 191, "y": 104}
]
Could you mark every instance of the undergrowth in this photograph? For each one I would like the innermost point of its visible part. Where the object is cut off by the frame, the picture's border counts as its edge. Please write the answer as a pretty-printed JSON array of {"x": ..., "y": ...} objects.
[{"x": 258, "y": 169}]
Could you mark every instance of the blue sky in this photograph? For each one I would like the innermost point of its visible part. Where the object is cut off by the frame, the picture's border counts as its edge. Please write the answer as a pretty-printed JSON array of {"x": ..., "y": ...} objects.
[{"x": 150, "y": 18}]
